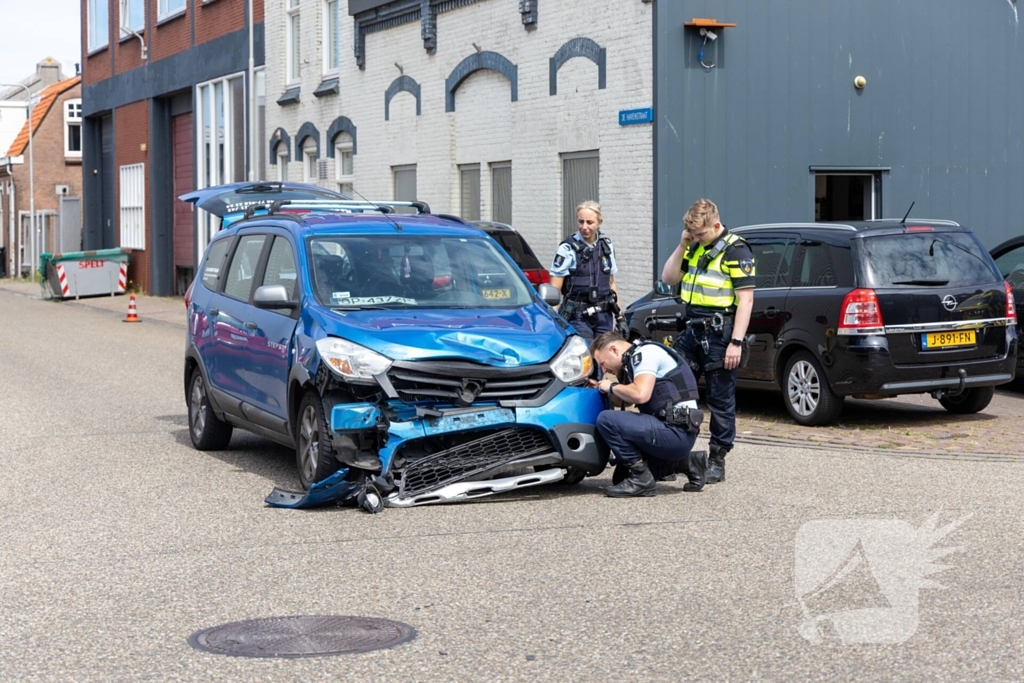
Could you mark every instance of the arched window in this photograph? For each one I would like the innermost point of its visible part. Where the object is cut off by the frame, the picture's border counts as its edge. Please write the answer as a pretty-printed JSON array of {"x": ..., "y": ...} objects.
[
  {"x": 344, "y": 172},
  {"x": 282, "y": 161}
]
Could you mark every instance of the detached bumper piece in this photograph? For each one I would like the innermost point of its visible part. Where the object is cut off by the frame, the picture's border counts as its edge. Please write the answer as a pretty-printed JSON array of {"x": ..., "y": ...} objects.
[
  {"x": 334, "y": 488},
  {"x": 471, "y": 460},
  {"x": 466, "y": 490}
]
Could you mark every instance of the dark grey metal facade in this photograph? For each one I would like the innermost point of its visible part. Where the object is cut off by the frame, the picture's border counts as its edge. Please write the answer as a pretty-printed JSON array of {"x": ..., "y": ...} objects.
[{"x": 942, "y": 110}]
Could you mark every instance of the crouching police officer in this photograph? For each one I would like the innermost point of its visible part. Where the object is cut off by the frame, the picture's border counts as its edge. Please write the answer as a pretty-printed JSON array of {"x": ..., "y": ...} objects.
[
  {"x": 584, "y": 271},
  {"x": 658, "y": 440},
  {"x": 717, "y": 271}
]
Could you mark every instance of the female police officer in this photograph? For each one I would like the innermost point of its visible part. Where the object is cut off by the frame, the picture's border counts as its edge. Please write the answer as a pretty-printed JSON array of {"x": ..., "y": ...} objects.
[
  {"x": 660, "y": 437},
  {"x": 584, "y": 271}
]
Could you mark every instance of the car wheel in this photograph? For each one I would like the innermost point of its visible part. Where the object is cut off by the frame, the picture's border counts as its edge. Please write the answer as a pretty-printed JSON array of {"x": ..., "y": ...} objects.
[
  {"x": 574, "y": 476},
  {"x": 208, "y": 432},
  {"x": 314, "y": 450},
  {"x": 971, "y": 401},
  {"x": 805, "y": 390}
]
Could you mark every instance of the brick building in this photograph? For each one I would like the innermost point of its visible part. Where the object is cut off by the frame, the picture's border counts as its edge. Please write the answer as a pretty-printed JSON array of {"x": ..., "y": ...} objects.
[
  {"x": 489, "y": 109},
  {"x": 52, "y": 167},
  {"x": 171, "y": 91}
]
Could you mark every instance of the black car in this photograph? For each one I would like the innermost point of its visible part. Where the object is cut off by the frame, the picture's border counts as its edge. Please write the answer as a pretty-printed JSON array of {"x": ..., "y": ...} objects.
[
  {"x": 1009, "y": 257},
  {"x": 870, "y": 310}
]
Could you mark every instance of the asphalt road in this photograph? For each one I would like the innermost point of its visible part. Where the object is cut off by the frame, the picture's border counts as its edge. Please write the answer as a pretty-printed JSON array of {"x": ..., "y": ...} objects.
[{"x": 119, "y": 541}]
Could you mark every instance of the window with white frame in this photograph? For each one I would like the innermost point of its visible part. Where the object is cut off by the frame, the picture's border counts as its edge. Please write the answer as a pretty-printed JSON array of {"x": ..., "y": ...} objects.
[
  {"x": 344, "y": 173},
  {"x": 99, "y": 31},
  {"x": 309, "y": 170},
  {"x": 469, "y": 191},
  {"x": 501, "y": 192},
  {"x": 331, "y": 46},
  {"x": 73, "y": 128},
  {"x": 282, "y": 162},
  {"x": 261, "y": 122},
  {"x": 133, "y": 17},
  {"x": 168, "y": 7},
  {"x": 220, "y": 157},
  {"x": 292, "y": 58},
  {"x": 133, "y": 206}
]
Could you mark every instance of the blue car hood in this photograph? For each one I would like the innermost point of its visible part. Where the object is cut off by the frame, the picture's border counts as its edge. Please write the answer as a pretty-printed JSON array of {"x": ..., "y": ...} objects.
[{"x": 498, "y": 337}]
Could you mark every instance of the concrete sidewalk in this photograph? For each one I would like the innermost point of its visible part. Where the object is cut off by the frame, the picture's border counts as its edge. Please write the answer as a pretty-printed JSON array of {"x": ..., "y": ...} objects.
[
  {"x": 915, "y": 423},
  {"x": 156, "y": 309}
]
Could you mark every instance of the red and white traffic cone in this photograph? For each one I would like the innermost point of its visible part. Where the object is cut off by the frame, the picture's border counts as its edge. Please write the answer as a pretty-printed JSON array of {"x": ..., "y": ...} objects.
[{"x": 132, "y": 316}]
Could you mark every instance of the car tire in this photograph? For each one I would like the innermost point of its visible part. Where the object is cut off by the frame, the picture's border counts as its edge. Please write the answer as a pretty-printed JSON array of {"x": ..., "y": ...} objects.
[
  {"x": 574, "y": 476},
  {"x": 314, "y": 449},
  {"x": 207, "y": 431},
  {"x": 806, "y": 393},
  {"x": 971, "y": 401}
]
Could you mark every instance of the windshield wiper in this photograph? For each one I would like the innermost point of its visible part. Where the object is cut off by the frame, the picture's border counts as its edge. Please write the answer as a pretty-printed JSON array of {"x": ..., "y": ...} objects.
[{"x": 923, "y": 283}]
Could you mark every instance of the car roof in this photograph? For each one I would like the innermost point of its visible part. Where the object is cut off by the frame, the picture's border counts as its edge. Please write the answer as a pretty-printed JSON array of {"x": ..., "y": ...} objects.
[
  {"x": 881, "y": 224},
  {"x": 489, "y": 226},
  {"x": 361, "y": 224}
]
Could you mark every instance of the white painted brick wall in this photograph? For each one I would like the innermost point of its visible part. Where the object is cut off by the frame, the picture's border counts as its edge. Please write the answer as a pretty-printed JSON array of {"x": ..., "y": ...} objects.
[{"x": 487, "y": 126}]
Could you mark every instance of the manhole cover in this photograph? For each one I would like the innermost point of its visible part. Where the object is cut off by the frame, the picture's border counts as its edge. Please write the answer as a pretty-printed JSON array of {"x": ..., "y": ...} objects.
[{"x": 315, "y": 636}]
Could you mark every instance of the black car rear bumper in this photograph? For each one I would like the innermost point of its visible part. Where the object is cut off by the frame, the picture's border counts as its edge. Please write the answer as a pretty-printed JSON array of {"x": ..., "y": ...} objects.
[{"x": 862, "y": 366}]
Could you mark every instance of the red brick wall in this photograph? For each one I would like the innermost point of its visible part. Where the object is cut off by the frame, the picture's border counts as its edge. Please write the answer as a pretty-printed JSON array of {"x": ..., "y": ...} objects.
[
  {"x": 127, "y": 51},
  {"x": 173, "y": 37},
  {"x": 257, "y": 12},
  {"x": 132, "y": 125},
  {"x": 96, "y": 67},
  {"x": 219, "y": 18}
]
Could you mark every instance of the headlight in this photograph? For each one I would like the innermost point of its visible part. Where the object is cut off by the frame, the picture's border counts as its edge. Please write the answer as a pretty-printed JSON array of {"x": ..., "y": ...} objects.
[
  {"x": 573, "y": 362},
  {"x": 351, "y": 361}
]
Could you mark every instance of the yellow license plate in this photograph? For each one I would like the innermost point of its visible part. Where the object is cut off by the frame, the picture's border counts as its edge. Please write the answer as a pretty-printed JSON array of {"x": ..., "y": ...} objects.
[
  {"x": 947, "y": 340},
  {"x": 497, "y": 293}
]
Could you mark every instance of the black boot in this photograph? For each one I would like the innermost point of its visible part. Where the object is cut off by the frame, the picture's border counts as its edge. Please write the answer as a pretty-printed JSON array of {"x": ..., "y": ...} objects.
[
  {"x": 716, "y": 465},
  {"x": 662, "y": 470},
  {"x": 696, "y": 470},
  {"x": 640, "y": 482}
]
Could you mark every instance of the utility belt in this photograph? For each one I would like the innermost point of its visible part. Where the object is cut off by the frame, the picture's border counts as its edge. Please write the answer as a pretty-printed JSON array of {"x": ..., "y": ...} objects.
[
  {"x": 588, "y": 304},
  {"x": 702, "y": 328},
  {"x": 683, "y": 414}
]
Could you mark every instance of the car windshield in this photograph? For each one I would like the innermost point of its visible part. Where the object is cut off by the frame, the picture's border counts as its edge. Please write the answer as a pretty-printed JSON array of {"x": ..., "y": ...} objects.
[
  {"x": 925, "y": 259},
  {"x": 397, "y": 271}
]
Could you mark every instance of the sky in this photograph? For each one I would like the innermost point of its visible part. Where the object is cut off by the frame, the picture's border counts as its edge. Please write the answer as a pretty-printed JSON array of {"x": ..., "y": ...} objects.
[{"x": 36, "y": 29}]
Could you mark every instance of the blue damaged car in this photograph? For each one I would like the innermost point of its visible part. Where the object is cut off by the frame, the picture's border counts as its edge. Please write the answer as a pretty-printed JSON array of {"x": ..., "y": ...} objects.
[{"x": 404, "y": 357}]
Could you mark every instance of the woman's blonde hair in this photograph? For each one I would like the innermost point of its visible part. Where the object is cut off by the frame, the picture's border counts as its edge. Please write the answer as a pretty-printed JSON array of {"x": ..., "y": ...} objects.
[
  {"x": 702, "y": 212},
  {"x": 591, "y": 205}
]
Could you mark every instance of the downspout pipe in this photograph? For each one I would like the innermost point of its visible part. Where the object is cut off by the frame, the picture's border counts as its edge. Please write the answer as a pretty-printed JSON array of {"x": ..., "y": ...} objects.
[{"x": 252, "y": 95}]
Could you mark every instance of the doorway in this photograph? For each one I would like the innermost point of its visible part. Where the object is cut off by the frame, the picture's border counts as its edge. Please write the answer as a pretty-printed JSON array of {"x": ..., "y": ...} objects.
[{"x": 846, "y": 197}]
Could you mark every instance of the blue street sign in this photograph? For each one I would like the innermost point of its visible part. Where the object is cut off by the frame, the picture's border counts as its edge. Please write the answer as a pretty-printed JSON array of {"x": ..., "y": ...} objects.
[{"x": 628, "y": 117}]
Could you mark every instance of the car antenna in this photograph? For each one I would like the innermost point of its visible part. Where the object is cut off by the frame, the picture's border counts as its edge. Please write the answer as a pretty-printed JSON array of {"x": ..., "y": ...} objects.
[
  {"x": 385, "y": 211},
  {"x": 908, "y": 213}
]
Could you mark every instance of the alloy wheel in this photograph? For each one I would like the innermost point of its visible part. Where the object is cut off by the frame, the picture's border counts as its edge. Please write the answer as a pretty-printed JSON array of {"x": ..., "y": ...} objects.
[
  {"x": 309, "y": 442},
  {"x": 804, "y": 388},
  {"x": 198, "y": 407}
]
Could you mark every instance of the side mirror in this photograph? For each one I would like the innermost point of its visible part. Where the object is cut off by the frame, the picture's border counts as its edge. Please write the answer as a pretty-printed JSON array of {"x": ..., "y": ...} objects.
[
  {"x": 549, "y": 294},
  {"x": 664, "y": 289},
  {"x": 273, "y": 297}
]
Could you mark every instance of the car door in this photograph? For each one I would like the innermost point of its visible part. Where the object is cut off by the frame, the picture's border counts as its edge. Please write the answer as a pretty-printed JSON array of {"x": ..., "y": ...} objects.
[
  {"x": 1011, "y": 267},
  {"x": 822, "y": 276},
  {"x": 230, "y": 357},
  {"x": 270, "y": 333},
  {"x": 773, "y": 256}
]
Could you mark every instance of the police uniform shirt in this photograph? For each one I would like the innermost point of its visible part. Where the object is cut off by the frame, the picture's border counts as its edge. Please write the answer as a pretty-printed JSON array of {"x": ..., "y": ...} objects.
[
  {"x": 651, "y": 359},
  {"x": 737, "y": 263},
  {"x": 565, "y": 257}
]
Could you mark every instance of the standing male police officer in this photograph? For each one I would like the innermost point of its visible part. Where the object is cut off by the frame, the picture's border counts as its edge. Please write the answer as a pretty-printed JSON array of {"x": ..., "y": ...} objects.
[
  {"x": 659, "y": 439},
  {"x": 717, "y": 271},
  {"x": 584, "y": 271}
]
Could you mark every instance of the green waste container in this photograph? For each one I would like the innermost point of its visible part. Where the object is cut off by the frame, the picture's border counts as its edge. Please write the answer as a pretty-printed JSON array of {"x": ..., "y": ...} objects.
[{"x": 103, "y": 272}]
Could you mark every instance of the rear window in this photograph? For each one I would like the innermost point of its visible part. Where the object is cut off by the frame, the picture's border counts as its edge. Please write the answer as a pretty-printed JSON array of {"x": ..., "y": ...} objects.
[
  {"x": 517, "y": 249},
  {"x": 214, "y": 262},
  {"x": 925, "y": 259}
]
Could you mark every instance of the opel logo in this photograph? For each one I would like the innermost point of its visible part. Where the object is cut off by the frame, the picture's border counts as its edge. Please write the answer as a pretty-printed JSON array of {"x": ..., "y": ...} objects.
[{"x": 948, "y": 302}]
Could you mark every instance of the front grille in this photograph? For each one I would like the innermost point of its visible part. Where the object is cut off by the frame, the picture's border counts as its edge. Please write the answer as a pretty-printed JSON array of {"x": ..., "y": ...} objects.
[
  {"x": 465, "y": 460},
  {"x": 449, "y": 383}
]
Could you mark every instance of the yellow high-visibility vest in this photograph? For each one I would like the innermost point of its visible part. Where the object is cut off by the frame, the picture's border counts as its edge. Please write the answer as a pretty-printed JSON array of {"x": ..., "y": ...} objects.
[{"x": 710, "y": 287}]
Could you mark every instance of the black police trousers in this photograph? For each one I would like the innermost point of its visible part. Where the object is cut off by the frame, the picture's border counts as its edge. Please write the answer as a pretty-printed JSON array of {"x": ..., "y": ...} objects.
[
  {"x": 720, "y": 384},
  {"x": 636, "y": 436}
]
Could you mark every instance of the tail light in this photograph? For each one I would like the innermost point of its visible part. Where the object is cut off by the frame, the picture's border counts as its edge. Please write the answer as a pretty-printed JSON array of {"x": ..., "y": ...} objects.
[
  {"x": 860, "y": 313},
  {"x": 188, "y": 295},
  {"x": 537, "y": 276},
  {"x": 1011, "y": 304}
]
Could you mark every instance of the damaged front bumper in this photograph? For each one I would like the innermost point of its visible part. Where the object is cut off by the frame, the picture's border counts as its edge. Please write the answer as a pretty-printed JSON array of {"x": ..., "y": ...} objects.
[{"x": 454, "y": 454}]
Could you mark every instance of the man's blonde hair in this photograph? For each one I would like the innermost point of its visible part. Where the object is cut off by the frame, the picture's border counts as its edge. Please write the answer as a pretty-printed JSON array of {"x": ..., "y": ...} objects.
[{"x": 703, "y": 212}]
